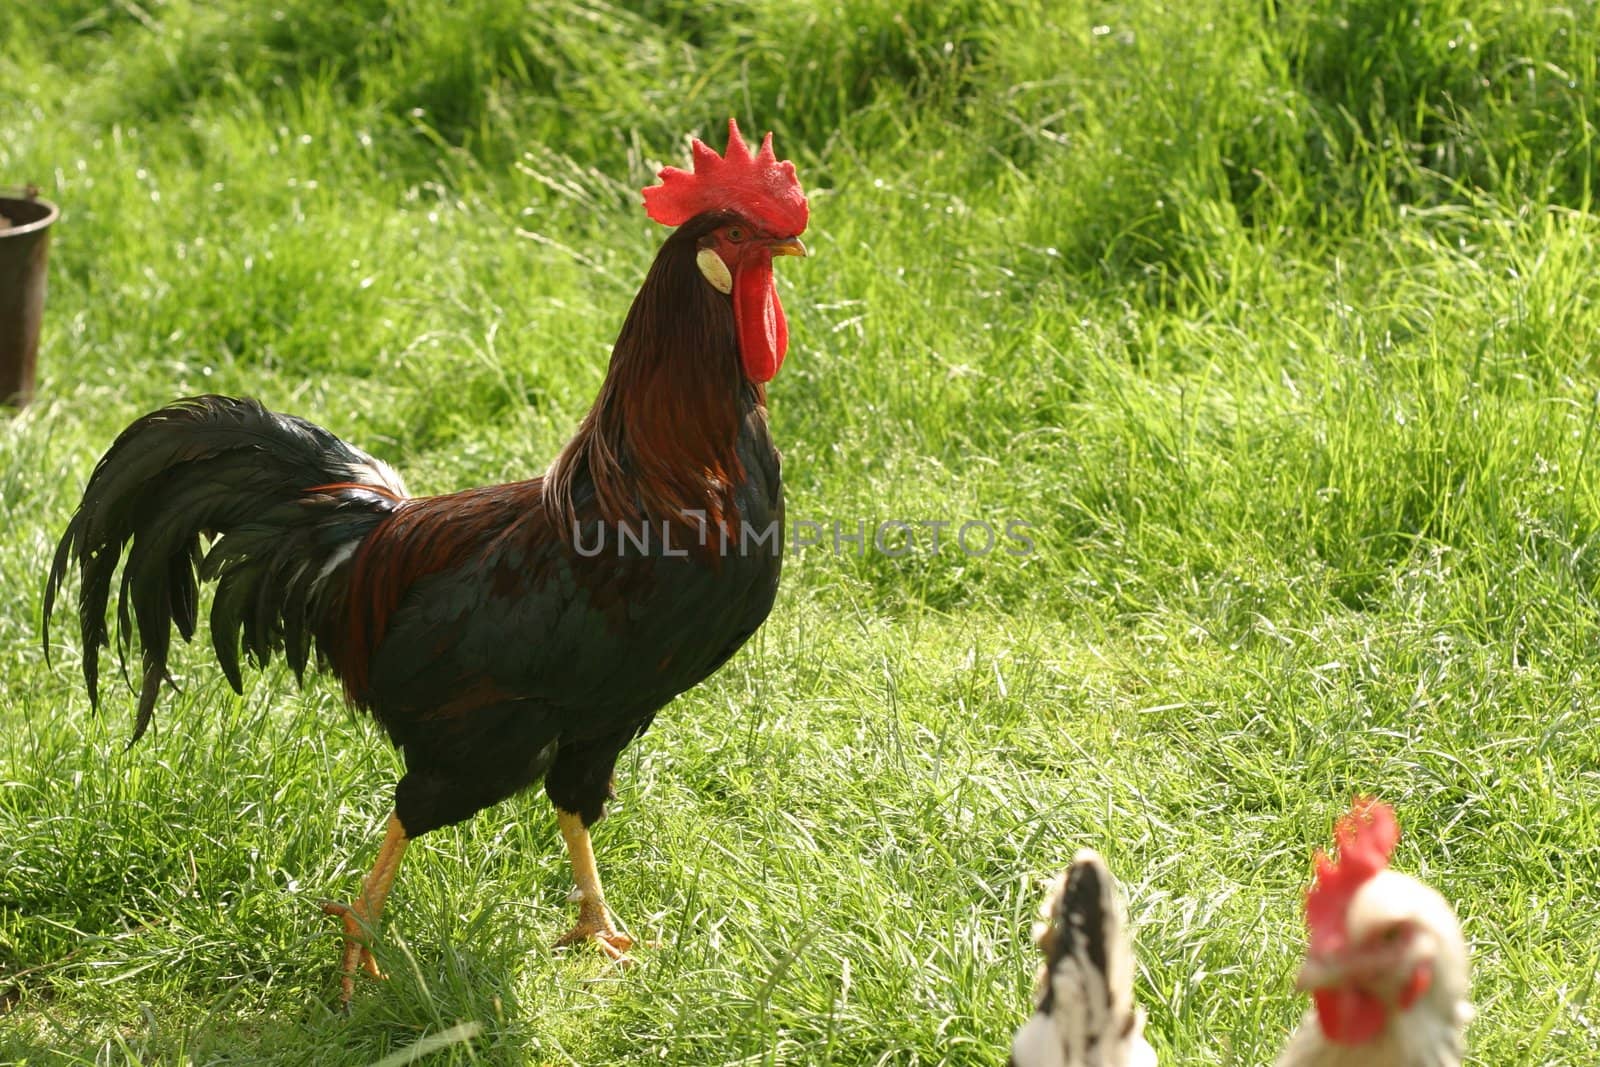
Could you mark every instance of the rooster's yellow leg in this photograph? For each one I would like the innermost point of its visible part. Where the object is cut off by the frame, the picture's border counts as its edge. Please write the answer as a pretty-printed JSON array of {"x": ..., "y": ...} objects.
[
  {"x": 361, "y": 915},
  {"x": 594, "y": 921}
]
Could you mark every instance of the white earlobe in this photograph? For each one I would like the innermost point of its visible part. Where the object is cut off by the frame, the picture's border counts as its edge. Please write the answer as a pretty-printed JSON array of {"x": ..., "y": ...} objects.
[{"x": 714, "y": 269}]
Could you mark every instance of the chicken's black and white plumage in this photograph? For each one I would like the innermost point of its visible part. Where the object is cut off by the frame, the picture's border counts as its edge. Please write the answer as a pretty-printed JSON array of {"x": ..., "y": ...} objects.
[{"x": 1084, "y": 1014}]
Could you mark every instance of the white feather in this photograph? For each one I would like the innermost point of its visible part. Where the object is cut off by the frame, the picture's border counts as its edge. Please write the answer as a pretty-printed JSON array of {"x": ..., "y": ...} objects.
[{"x": 339, "y": 556}]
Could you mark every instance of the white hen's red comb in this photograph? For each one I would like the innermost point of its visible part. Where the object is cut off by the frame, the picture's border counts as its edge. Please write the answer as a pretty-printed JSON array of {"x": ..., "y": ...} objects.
[
  {"x": 760, "y": 187},
  {"x": 1363, "y": 841}
]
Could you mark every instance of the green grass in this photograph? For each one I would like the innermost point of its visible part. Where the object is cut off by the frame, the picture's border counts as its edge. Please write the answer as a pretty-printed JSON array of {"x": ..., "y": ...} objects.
[{"x": 1280, "y": 324}]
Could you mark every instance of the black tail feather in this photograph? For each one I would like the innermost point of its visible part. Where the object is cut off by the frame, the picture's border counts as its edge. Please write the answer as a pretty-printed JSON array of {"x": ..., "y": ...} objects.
[{"x": 214, "y": 488}]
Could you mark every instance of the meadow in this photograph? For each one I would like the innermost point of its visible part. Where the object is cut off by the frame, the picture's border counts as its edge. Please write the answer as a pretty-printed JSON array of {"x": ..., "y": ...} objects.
[{"x": 1278, "y": 324}]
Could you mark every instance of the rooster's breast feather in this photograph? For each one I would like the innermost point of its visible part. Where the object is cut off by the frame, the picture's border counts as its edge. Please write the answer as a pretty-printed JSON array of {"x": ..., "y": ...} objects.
[{"x": 483, "y": 603}]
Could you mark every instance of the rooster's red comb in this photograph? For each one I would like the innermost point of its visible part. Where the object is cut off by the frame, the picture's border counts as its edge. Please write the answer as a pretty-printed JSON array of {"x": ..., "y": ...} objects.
[
  {"x": 759, "y": 187},
  {"x": 1364, "y": 840}
]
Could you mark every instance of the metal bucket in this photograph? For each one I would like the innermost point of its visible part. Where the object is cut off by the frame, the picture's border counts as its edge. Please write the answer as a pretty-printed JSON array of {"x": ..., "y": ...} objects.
[{"x": 24, "y": 249}]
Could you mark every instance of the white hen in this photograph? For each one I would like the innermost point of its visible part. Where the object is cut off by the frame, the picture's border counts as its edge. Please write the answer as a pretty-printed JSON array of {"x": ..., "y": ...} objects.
[{"x": 1386, "y": 966}]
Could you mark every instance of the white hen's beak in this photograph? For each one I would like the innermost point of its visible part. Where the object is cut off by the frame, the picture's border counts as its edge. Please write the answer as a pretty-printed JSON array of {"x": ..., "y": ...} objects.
[{"x": 1360, "y": 967}]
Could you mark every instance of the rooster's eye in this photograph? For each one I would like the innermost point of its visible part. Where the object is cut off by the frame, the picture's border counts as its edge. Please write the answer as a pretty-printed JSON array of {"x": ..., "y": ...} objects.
[{"x": 735, "y": 234}]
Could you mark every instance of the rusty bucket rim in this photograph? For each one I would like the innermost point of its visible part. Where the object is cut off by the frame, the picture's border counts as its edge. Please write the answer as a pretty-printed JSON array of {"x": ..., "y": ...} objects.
[{"x": 28, "y": 227}]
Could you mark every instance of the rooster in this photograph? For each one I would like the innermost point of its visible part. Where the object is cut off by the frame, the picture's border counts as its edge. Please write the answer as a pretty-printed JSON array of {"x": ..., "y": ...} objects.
[
  {"x": 1387, "y": 964},
  {"x": 501, "y": 636},
  {"x": 1084, "y": 1014}
]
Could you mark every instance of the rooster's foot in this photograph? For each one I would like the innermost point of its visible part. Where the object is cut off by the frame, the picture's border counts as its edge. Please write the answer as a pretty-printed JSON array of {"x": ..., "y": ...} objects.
[
  {"x": 594, "y": 924},
  {"x": 355, "y": 954}
]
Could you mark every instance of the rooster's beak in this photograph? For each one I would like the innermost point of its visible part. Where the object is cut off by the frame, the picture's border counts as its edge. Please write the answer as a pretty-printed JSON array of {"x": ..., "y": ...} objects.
[{"x": 789, "y": 246}]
